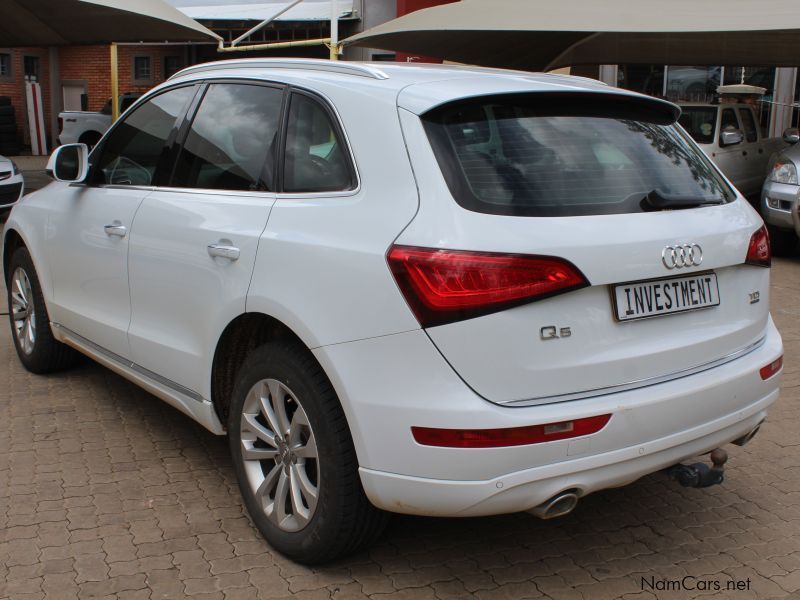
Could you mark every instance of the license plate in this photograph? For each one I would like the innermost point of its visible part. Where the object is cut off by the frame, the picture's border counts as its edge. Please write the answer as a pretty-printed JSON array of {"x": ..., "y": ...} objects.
[{"x": 657, "y": 297}]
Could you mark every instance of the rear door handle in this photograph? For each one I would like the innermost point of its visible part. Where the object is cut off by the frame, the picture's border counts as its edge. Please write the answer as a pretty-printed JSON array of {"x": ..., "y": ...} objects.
[
  {"x": 221, "y": 250},
  {"x": 116, "y": 229}
]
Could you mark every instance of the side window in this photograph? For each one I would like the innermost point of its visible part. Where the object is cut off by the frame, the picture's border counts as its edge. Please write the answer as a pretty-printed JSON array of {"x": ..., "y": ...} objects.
[
  {"x": 729, "y": 120},
  {"x": 315, "y": 158},
  {"x": 749, "y": 123},
  {"x": 131, "y": 152},
  {"x": 233, "y": 139}
]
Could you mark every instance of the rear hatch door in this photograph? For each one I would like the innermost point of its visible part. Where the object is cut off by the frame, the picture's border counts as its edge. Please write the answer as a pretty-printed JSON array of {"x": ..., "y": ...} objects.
[{"x": 611, "y": 187}]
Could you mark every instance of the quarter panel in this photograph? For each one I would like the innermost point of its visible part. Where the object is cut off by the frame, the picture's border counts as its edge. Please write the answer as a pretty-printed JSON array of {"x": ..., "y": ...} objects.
[{"x": 321, "y": 266}]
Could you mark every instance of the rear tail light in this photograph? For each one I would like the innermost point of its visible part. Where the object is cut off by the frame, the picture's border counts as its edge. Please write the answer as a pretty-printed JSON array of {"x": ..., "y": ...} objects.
[
  {"x": 771, "y": 369},
  {"x": 512, "y": 436},
  {"x": 759, "y": 252},
  {"x": 442, "y": 286}
]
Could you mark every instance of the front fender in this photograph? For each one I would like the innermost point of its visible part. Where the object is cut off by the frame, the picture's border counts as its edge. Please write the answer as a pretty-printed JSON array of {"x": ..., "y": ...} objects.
[{"x": 29, "y": 219}]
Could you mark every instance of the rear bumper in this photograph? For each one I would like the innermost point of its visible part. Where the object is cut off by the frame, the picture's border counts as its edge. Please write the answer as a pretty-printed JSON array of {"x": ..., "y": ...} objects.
[
  {"x": 523, "y": 490},
  {"x": 387, "y": 385}
]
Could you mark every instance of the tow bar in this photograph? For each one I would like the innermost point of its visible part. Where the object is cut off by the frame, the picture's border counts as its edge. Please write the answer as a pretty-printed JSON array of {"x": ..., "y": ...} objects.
[{"x": 700, "y": 475}]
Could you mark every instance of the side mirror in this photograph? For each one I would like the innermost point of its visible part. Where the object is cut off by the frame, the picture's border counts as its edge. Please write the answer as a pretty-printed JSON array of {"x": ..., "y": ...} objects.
[
  {"x": 791, "y": 135},
  {"x": 731, "y": 137},
  {"x": 69, "y": 163}
]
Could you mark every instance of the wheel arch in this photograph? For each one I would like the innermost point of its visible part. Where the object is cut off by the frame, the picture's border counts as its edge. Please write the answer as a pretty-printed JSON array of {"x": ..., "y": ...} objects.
[
  {"x": 243, "y": 334},
  {"x": 11, "y": 241},
  {"x": 91, "y": 134}
]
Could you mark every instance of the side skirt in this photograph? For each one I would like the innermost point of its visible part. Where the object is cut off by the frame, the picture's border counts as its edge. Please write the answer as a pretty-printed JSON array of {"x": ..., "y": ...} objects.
[{"x": 185, "y": 400}]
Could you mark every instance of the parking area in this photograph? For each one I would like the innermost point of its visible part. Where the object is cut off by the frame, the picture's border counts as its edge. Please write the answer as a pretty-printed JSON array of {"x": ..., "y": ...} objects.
[{"x": 105, "y": 491}]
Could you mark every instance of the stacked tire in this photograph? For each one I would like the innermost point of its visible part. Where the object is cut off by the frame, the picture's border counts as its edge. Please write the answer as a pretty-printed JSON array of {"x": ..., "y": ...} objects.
[{"x": 9, "y": 138}]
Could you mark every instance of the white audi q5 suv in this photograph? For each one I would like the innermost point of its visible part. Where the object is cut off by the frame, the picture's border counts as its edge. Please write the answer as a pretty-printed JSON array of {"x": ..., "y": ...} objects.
[{"x": 431, "y": 290}]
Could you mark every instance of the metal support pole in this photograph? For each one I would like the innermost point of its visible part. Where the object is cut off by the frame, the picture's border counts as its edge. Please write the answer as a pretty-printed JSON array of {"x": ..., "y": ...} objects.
[
  {"x": 56, "y": 95},
  {"x": 334, "y": 31},
  {"x": 114, "y": 83},
  {"x": 265, "y": 22},
  {"x": 274, "y": 45}
]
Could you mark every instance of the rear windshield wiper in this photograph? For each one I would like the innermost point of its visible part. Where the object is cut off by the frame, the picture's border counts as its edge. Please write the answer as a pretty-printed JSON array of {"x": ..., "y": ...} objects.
[{"x": 658, "y": 200}]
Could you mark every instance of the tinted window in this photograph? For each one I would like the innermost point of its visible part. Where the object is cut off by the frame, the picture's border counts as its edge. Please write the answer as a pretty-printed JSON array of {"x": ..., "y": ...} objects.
[
  {"x": 126, "y": 102},
  {"x": 513, "y": 157},
  {"x": 233, "y": 139},
  {"x": 132, "y": 151},
  {"x": 699, "y": 122},
  {"x": 749, "y": 125},
  {"x": 316, "y": 159}
]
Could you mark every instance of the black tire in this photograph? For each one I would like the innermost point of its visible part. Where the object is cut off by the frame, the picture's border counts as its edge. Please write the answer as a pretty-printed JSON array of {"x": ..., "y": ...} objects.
[
  {"x": 783, "y": 241},
  {"x": 5, "y": 101},
  {"x": 7, "y": 111},
  {"x": 47, "y": 354},
  {"x": 90, "y": 138},
  {"x": 343, "y": 521}
]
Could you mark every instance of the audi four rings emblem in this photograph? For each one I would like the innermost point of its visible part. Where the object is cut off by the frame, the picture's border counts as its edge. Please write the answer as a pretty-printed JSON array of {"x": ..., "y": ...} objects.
[{"x": 678, "y": 257}]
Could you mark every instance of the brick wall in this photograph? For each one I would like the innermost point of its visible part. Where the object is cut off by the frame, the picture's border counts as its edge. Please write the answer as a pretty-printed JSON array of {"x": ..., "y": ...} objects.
[
  {"x": 89, "y": 64},
  {"x": 92, "y": 64},
  {"x": 15, "y": 88}
]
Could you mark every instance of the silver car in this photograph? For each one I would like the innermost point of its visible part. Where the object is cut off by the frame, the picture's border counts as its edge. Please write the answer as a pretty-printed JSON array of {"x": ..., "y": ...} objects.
[
  {"x": 11, "y": 185},
  {"x": 780, "y": 195}
]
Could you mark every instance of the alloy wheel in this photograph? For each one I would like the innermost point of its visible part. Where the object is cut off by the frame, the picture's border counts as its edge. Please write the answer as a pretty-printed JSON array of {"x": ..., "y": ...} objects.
[
  {"x": 23, "y": 313},
  {"x": 280, "y": 456}
]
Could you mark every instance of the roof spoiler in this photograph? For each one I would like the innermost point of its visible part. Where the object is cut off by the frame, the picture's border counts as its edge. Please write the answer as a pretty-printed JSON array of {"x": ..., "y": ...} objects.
[{"x": 611, "y": 104}]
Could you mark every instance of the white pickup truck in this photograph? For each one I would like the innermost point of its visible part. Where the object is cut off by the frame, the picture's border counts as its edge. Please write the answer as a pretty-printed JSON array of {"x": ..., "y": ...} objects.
[
  {"x": 83, "y": 127},
  {"x": 731, "y": 137}
]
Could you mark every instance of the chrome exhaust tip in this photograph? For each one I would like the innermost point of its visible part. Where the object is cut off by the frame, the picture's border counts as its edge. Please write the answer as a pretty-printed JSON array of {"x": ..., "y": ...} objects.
[
  {"x": 748, "y": 436},
  {"x": 557, "y": 506}
]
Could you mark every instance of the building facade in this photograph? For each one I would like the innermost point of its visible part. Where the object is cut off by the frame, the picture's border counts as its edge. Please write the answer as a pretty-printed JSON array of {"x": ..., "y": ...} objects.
[{"x": 78, "y": 77}]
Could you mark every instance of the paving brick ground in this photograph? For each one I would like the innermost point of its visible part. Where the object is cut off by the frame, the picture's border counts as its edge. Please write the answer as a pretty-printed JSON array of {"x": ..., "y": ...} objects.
[{"x": 107, "y": 492}]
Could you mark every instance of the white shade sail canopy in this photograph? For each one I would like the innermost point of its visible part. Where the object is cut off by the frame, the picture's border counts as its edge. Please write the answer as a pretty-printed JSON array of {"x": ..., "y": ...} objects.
[
  {"x": 542, "y": 34},
  {"x": 57, "y": 22},
  {"x": 308, "y": 10}
]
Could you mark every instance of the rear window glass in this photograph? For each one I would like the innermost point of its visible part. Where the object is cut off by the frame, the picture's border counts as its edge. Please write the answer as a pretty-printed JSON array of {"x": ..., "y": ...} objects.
[
  {"x": 699, "y": 122},
  {"x": 533, "y": 156}
]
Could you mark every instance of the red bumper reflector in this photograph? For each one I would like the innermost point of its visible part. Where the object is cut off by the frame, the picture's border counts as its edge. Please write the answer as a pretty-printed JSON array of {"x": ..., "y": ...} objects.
[
  {"x": 512, "y": 436},
  {"x": 771, "y": 369}
]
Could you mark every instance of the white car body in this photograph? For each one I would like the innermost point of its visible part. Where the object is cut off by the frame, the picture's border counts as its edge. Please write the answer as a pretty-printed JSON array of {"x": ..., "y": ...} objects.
[
  {"x": 745, "y": 162},
  {"x": 77, "y": 124},
  {"x": 12, "y": 185},
  {"x": 86, "y": 127},
  {"x": 153, "y": 306}
]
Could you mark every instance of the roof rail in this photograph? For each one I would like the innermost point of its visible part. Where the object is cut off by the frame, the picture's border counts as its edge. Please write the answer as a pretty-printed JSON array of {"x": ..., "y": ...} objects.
[{"x": 309, "y": 64}]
